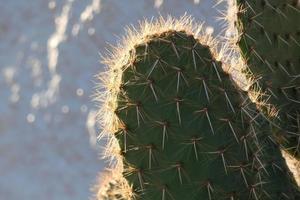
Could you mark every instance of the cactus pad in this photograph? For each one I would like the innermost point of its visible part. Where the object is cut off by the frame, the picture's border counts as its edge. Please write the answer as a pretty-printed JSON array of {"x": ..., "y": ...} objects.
[
  {"x": 269, "y": 40},
  {"x": 182, "y": 128}
]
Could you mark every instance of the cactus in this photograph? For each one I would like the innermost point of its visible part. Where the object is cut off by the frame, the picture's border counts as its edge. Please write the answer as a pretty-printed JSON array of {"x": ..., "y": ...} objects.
[
  {"x": 269, "y": 42},
  {"x": 178, "y": 126}
]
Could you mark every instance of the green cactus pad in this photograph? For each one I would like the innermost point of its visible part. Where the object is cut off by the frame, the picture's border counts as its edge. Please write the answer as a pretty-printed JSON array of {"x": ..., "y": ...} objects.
[
  {"x": 270, "y": 44},
  {"x": 186, "y": 132}
]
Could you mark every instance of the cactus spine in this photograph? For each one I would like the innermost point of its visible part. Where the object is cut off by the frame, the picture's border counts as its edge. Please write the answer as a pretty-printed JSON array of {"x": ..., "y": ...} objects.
[
  {"x": 180, "y": 128},
  {"x": 269, "y": 41}
]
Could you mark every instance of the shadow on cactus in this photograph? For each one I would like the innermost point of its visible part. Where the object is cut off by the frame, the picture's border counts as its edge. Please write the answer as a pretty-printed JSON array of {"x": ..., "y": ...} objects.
[{"x": 178, "y": 127}]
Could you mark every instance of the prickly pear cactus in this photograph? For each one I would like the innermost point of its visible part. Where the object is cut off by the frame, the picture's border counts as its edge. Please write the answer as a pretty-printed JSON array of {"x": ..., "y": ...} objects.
[
  {"x": 182, "y": 129},
  {"x": 269, "y": 40}
]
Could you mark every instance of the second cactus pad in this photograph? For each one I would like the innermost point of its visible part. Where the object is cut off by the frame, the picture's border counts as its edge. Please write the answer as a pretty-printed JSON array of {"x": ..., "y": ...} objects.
[
  {"x": 270, "y": 43},
  {"x": 186, "y": 132}
]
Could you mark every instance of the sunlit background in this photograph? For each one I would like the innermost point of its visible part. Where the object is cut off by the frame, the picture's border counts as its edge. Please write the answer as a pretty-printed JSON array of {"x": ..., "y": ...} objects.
[{"x": 49, "y": 56}]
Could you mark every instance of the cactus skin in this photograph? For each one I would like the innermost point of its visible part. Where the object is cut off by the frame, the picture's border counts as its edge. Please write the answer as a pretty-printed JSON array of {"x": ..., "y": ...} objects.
[
  {"x": 270, "y": 45},
  {"x": 186, "y": 132}
]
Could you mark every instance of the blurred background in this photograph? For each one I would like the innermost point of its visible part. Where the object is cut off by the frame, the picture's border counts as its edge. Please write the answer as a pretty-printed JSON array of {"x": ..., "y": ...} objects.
[{"x": 49, "y": 56}]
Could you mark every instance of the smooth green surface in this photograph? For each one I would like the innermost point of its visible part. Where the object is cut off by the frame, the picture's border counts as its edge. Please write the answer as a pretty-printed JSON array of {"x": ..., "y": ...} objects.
[
  {"x": 188, "y": 133},
  {"x": 270, "y": 43}
]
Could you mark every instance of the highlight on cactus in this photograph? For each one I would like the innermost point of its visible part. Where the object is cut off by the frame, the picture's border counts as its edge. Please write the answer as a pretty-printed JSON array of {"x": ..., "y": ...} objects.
[
  {"x": 268, "y": 38},
  {"x": 109, "y": 187},
  {"x": 177, "y": 125}
]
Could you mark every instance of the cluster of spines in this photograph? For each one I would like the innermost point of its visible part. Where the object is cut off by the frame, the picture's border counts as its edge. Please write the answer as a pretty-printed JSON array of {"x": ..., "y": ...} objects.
[
  {"x": 110, "y": 187},
  {"x": 134, "y": 113}
]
